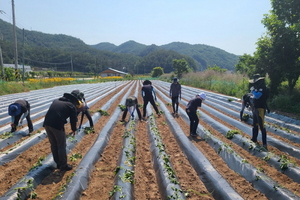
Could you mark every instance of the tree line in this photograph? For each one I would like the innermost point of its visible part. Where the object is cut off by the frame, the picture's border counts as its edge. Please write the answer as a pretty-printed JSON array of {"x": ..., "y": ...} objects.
[{"x": 278, "y": 51}]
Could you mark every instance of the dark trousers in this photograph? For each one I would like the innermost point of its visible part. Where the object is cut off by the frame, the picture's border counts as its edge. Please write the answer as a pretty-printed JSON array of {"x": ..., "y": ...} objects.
[
  {"x": 175, "y": 102},
  {"x": 146, "y": 101},
  {"x": 259, "y": 121},
  {"x": 137, "y": 110},
  {"x": 29, "y": 122},
  {"x": 57, "y": 140},
  {"x": 194, "y": 121},
  {"x": 88, "y": 115}
]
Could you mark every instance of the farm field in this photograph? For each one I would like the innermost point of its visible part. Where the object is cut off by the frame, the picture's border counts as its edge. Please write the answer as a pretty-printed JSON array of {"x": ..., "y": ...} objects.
[{"x": 152, "y": 159}]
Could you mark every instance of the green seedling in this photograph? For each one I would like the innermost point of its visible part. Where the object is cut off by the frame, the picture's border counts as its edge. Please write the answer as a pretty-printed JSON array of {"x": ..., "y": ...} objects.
[
  {"x": 116, "y": 188},
  {"x": 30, "y": 186},
  {"x": 75, "y": 156},
  {"x": 128, "y": 176},
  {"x": 122, "y": 107},
  {"x": 103, "y": 112},
  {"x": 89, "y": 130},
  {"x": 230, "y": 134},
  {"x": 6, "y": 135},
  {"x": 230, "y": 99},
  {"x": 37, "y": 164},
  {"x": 245, "y": 117}
]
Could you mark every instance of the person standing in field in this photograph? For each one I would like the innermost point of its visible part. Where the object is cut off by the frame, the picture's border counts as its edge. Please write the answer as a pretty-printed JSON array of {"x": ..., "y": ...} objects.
[
  {"x": 18, "y": 111},
  {"x": 56, "y": 117},
  {"x": 175, "y": 93},
  {"x": 260, "y": 95},
  {"x": 191, "y": 110},
  {"x": 147, "y": 94}
]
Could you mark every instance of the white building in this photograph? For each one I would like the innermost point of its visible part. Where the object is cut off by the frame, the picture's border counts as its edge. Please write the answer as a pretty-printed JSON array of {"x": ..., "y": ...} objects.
[
  {"x": 27, "y": 68},
  {"x": 112, "y": 72}
]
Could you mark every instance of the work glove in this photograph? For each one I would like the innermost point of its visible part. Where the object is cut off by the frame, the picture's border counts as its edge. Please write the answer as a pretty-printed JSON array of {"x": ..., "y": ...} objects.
[
  {"x": 73, "y": 133},
  {"x": 252, "y": 88}
]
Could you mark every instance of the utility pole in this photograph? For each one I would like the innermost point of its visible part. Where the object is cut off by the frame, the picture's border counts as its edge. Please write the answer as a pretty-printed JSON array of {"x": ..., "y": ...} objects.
[
  {"x": 15, "y": 39},
  {"x": 23, "y": 59},
  {"x": 1, "y": 58},
  {"x": 71, "y": 65}
]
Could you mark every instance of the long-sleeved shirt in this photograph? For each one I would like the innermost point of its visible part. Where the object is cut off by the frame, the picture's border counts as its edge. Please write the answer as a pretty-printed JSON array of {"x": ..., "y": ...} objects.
[
  {"x": 194, "y": 104},
  {"x": 175, "y": 90},
  {"x": 25, "y": 110},
  {"x": 60, "y": 110},
  {"x": 147, "y": 91},
  {"x": 260, "y": 97}
]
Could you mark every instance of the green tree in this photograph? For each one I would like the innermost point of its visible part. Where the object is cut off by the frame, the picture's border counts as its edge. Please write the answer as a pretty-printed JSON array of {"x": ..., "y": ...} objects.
[
  {"x": 246, "y": 64},
  {"x": 217, "y": 69},
  {"x": 157, "y": 71},
  {"x": 283, "y": 25},
  {"x": 180, "y": 67}
]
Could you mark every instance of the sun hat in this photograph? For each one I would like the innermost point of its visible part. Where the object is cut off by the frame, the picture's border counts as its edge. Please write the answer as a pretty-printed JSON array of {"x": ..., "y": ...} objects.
[
  {"x": 72, "y": 98},
  {"x": 78, "y": 94},
  {"x": 14, "y": 109},
  {"x": 202, "y": 95},
  {"x": 256, "y": 77}
]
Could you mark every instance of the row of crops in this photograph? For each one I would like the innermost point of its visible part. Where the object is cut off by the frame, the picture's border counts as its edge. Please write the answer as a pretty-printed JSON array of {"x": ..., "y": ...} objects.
[{"x": 272, "y": 174}]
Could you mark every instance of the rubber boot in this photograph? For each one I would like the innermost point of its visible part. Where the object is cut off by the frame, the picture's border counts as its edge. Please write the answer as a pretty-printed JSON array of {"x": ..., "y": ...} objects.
[{"x": 254, "y": 134}]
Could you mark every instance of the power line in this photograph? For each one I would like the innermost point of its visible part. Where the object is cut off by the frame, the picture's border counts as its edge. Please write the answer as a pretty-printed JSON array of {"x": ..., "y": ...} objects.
[{"x": 48, "y": 62}]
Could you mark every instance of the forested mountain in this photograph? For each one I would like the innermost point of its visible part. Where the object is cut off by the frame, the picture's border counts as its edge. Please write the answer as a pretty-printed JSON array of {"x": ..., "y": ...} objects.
[
  {"x": 204, "y": 55},
  {"x": 65, "y": 53}
]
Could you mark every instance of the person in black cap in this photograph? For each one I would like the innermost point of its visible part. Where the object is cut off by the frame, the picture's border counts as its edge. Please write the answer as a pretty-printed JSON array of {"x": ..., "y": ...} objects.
[
  {"x": 147, "y": 94},
  {"x": 18, "y": 111},
  {"x": 84, "y": 109},
  {"x": 131, "y": 104},
  {"x": 175, "y": 93},
  {"x": 56, "y": 117},
  {"x": 260, "y": 95}
]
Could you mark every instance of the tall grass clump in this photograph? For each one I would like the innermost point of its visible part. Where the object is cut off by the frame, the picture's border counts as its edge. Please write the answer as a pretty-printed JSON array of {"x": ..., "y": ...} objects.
[
  {"x": 10, "y": 88},
  {"x": 222, "y": 82}
]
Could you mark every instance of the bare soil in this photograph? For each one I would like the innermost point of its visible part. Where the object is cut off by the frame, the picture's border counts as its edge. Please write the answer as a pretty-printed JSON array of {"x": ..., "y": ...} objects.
[{"x": 145, "y": 183}]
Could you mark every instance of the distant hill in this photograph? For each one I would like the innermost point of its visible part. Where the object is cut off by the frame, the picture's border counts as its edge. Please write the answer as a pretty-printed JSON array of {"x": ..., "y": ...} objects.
[
  {"x": 204, "y": 55},
  {"x": 64, "y": 53}
]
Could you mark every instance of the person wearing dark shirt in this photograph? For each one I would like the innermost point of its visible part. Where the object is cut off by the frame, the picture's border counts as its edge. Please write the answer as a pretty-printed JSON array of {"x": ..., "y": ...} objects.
[
  {"x": 84, "y": 109},
  {"x": 56, "y": 117},
  {"x": 18, "y": 111},
  {"x": 175, "y": 93},
  {"x": 131, "y": 105},
  {"x": 147, "y": 94},
  {"x": 191, "y": 110},
  {"x": 247, "y": 102},
  {"x": 260, "y": 95}
]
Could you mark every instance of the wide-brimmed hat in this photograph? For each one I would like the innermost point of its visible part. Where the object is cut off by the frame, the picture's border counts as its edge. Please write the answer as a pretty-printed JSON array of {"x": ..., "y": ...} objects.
[
  {"x": 256, "y": 77},
  {"x": 202, "y": 95},
  {"x": 72, "y": 98},
  {"x": 14, "y": 109},
  {"x": 78, "y": 94}
]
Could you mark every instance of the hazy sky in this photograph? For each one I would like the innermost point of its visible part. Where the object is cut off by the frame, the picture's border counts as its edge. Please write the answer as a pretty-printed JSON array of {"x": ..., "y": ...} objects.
[{"x": 231, "y": 25}]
